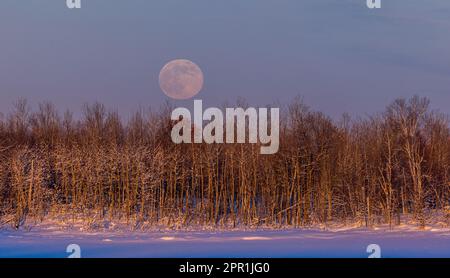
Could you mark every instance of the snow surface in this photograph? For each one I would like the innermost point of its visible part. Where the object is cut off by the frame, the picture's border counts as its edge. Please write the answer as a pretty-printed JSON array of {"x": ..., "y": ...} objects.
[{"x": 50, "y": 240}]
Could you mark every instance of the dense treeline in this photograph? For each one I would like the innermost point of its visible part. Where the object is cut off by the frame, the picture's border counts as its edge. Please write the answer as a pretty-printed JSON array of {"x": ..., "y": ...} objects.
[{"x": 371, "y": 171}]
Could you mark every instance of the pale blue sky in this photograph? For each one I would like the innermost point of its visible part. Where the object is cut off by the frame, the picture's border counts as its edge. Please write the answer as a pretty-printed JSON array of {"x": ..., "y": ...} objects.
[{"x": 337, "y": 54}]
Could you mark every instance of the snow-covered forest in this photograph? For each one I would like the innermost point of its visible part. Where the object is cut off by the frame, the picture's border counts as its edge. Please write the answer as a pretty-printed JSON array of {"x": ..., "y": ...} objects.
[{"x": 99, "y": 167}]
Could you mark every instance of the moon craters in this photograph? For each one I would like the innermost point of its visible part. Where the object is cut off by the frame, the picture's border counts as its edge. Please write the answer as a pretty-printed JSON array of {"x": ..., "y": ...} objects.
[{"x": 181, "y": 79}]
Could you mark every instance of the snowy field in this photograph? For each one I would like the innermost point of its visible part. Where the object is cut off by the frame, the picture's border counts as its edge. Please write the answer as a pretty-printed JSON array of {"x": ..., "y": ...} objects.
[{"x": 47, "y": 240}]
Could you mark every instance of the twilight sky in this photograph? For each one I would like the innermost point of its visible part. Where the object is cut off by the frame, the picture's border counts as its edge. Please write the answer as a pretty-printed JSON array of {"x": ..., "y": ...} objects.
[{"x": 337, "y": 54}]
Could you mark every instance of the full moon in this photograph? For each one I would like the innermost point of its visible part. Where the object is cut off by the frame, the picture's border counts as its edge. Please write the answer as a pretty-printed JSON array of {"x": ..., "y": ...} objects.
[{"x": 181, "y": 79}]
